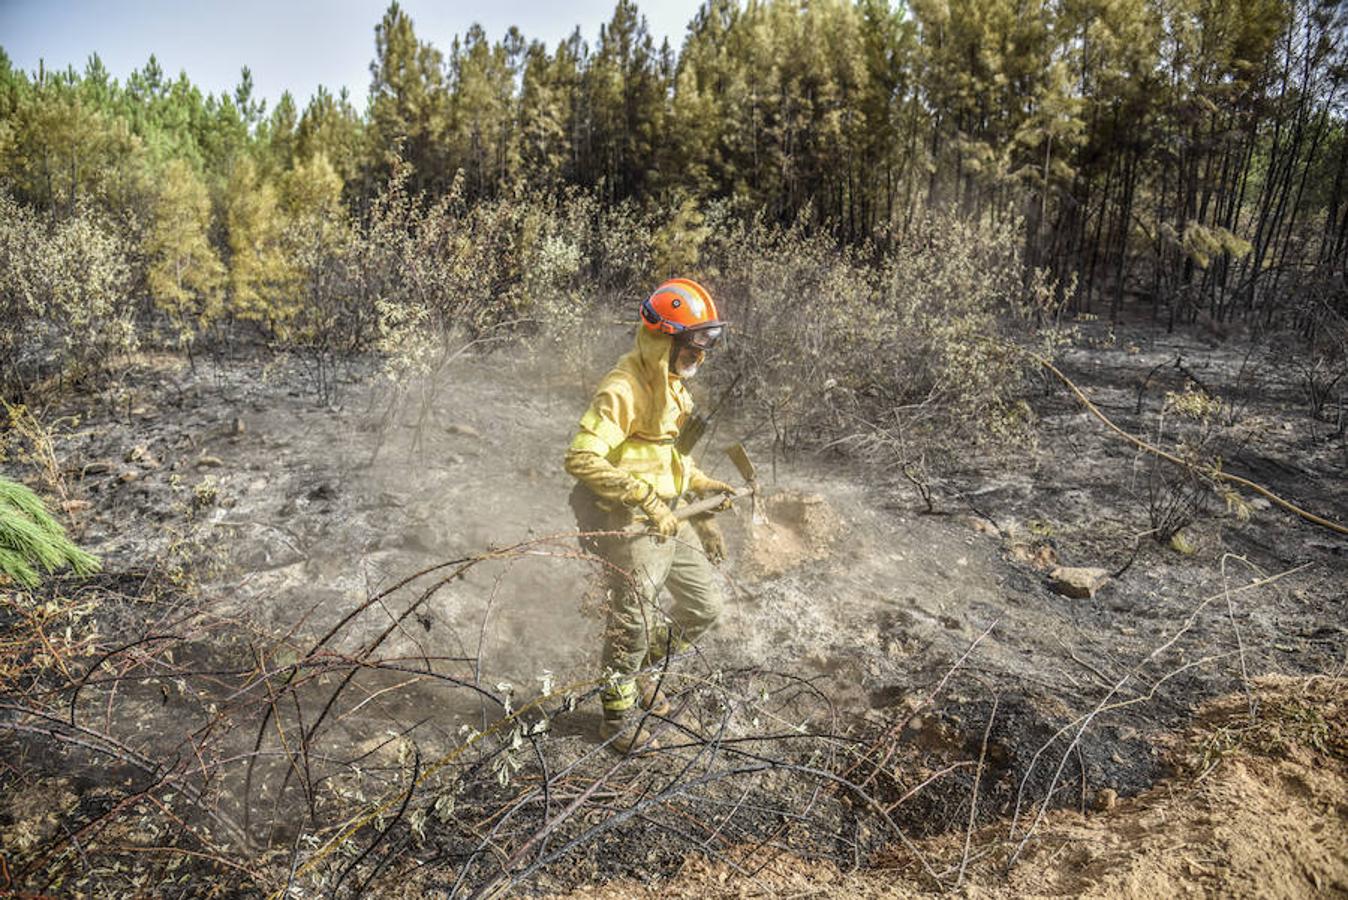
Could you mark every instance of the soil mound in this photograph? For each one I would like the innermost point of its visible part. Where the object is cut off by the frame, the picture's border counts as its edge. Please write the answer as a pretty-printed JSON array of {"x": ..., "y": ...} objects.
[{"x": 800, "y": 528}]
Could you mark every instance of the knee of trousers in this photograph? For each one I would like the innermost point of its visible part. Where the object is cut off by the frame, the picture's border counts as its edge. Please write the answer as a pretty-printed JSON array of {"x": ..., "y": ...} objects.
[
  {"x": 700, "y": 612},
  {"x": 627, "y": 633}
]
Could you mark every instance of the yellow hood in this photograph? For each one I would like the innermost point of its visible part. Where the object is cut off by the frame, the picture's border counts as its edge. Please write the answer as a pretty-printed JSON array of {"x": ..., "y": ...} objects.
[
  {"x": 648, "y": 365},
  {"x": 651, "y": 354}
]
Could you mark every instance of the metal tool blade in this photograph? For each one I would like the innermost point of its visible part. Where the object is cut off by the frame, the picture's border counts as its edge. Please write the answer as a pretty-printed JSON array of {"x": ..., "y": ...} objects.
[{"x": 740, "y": 457}]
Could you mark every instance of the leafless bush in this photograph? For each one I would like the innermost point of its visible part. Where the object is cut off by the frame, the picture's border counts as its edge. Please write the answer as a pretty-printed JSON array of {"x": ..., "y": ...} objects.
[
  {"x": 1198, "y": 427},
  {"x": 837, "y": 343},
  {"x": 65, "y": 301},
  {"x": 1323, "y": 370},
  {"x": 620, "y": 241},
  {"x": 1175, "y": 500},
  {"x": 150, "y": 739},
  {"x": 420, "y": 280},
  {"x": 303, "y": 759}
]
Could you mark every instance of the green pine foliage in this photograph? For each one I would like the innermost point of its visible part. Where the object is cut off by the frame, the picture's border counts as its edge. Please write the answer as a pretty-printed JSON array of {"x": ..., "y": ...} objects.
[
  {"x": 31, "y": 540},
  {"x": 1183, "y": 153},
  {"x": 184, "y": 274},
  {"x": 260, "y": 279}
]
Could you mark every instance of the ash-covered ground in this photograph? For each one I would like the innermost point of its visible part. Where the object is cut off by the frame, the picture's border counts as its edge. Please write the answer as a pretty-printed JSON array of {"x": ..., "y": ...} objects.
[{"x": 855, "y": 612}]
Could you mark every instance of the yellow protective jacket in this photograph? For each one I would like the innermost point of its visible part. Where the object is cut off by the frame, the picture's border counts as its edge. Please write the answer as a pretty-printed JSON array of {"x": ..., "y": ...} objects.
[{"x": 625, "y": 443}]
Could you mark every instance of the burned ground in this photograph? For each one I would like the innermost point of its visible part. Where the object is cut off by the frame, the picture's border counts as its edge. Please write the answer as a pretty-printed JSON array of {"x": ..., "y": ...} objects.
[{"x": 253, "y": 651}]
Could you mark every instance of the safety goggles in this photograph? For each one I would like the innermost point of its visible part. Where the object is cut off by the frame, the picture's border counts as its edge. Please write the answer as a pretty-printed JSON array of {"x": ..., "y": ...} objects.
[{"x": 703, "y": 338}]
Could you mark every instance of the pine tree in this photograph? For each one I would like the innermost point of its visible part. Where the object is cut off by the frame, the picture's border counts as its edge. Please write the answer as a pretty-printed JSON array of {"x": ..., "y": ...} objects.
[
  {"x": 311, "y": 193},
  {"x": 627, "y": 108},
  {"x": 222, "y": 135},
  {"x": 279, "y": 135},
  {"x": 185, "y": 276},
  {"x": 62, "y": 147},
  {"x": 481, "y": 121},
  {"x": 250, "y": 108},
  {"x": 409, "y": 102},
  {"x": 260, "y": 281},
  {"x": 329, "y": 317},
  {"x": 331, "y": 126},
  {"x": 546, "y": 98}
]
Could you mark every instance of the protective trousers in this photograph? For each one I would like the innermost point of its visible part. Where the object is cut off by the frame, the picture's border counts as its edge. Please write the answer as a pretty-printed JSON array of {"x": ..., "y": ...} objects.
[{"x": 636, "y": 632}]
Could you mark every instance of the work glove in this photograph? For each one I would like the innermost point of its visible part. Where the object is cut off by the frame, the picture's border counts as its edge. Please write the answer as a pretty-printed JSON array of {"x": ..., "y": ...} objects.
[
  {"x": 656, "y": 510},
  {"x": 703, "y": 486},
  {"x": 709, "y": 533}
]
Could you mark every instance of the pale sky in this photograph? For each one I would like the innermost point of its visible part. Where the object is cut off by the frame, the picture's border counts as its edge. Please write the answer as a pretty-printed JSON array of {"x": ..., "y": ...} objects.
[{"x": 288, "y": 45}]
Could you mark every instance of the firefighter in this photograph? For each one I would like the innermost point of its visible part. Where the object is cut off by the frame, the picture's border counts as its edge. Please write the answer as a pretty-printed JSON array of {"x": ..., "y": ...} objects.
[{"x": 628, "y": 468}]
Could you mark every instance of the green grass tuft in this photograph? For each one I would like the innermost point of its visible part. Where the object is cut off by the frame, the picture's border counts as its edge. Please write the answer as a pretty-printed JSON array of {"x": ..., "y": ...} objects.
[{"x": 31, "y": 540}]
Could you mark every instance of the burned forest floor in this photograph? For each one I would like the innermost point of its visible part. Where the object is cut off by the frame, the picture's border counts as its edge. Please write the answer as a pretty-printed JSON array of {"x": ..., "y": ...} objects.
[{"x": 353, "y": 648}]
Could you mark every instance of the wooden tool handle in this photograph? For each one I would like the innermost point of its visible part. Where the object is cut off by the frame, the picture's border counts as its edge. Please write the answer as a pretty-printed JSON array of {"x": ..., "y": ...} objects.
[{"x": 706, "y": 504}]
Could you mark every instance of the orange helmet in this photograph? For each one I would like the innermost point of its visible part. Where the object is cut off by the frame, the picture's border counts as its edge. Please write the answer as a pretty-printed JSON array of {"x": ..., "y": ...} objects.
[{"x": 683, "y": 308}]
